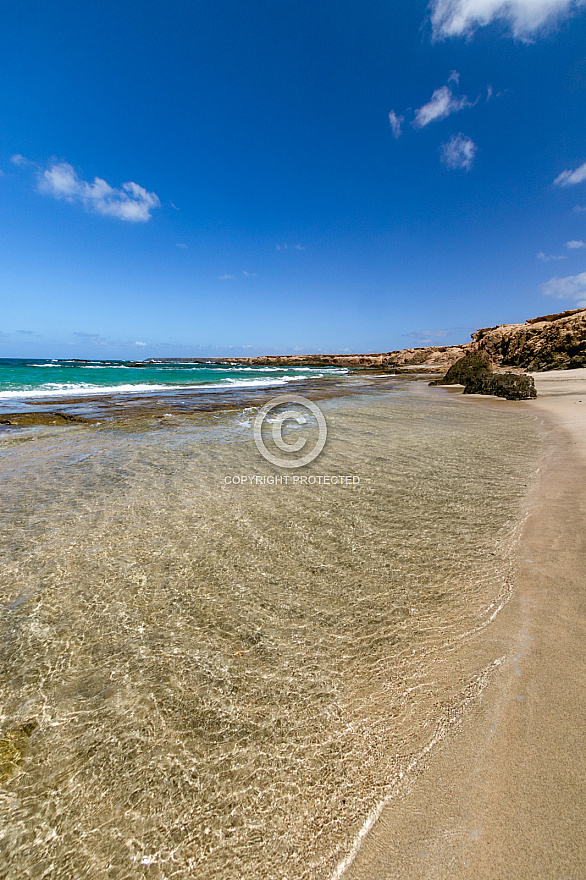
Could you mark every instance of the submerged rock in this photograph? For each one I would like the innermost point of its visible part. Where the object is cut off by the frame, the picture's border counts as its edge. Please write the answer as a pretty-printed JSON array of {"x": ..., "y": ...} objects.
[
  {"x": 29, "y": 419},
  {"x": 12, "y": 746}
]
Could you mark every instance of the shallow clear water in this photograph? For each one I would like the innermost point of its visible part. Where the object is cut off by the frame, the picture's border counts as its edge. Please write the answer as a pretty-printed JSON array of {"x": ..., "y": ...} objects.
[{"x": 227, "y": 679}]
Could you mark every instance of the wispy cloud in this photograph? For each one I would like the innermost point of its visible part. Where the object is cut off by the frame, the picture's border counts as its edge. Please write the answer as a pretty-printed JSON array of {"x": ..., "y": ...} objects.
[
  {"x": 20, "y": 161},
  {"x": 428, "y": 337},
  {"x": 226, "y": 277},
  {"x": 453, "y": 18},
  {"x": 131, "y": 202},
  {"x": 548, "y": 257},
  {"x": 91, "y": 337},
  {"x": 571, "y": 178},
  {"x": 570, "y": 287},
  {"x": 181, "y": 245},
  {"x": 459, "y": 152},
  {"x": 285, "y": 247},
  {"x": 140, "y": 343},
  {"x": 442, "y": 104},
  {"x": 574, "y": 245},
  {"x": 396, "y": 123},
  {"x": 250, "y": 274}
]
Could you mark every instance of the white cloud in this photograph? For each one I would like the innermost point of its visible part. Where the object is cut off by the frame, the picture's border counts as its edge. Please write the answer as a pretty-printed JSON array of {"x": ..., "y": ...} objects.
[
  {"x": 19, "y": 160},
  {"x": 443, "y": 103},
  {"x": 453, "y": 18},
  {"x": 250, "y": 274},
  {"x": 226, "y": 277},
  {"x": 396, "y": 123},
  {"x": 132, "y": 202},
  {"x": 459, "y": 152},
  {"x": 570, "y": 287},
  {"x": 548, "y": 257},
  {"x": 181, "y": 245},
  {"x": 140, "y": 343},
  {"x": 574, "y": 245},
  {"x": 570, "y": 178}
]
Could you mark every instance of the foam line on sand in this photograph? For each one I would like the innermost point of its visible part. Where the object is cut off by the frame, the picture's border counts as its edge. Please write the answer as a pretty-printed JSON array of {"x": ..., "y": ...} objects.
[{"x": 503, "y": 795}]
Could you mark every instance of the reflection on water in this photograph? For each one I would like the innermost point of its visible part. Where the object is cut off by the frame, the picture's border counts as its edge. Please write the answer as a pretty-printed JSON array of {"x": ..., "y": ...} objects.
[{"x": 226, "y": 679}]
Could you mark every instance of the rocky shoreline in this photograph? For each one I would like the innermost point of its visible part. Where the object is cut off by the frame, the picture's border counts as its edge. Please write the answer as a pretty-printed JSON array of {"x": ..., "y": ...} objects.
[{"x": 549, "y": 342}]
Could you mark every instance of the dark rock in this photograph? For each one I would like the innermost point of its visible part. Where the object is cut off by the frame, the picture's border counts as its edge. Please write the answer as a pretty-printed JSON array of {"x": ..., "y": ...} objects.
[
  {"x": 512, "y": 386},
  {"x": 470, "y": 368},
  {"x": 475, "y": 372}
]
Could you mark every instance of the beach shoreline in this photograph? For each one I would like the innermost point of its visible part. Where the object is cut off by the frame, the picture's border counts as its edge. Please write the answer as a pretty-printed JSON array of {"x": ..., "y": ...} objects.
[
  {"x": 501, "y": 797},
  {"x": 414, "y": 660}
]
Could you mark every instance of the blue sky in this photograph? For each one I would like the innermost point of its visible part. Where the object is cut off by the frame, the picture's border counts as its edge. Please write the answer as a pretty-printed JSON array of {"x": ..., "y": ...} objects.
[{"x": 205, "y": 179}]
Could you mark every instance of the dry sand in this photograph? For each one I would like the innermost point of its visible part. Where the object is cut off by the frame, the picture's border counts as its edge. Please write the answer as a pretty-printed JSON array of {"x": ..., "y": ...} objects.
[{"x": 504, "y": 796}]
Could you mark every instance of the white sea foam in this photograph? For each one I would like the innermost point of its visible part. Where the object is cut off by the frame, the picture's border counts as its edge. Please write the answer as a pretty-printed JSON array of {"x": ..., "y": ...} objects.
[{"x": 69, "y": 389}]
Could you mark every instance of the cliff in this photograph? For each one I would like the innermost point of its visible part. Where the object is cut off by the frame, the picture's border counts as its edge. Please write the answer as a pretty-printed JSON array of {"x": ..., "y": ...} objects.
[
  {"x": 550, "y": 342},
  {"x": 433, "y": 355}
]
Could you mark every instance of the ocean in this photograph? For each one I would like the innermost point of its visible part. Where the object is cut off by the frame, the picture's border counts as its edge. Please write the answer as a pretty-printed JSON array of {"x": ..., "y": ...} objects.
[
  {"x": 210, "y": 672},
  {"x": 38, "y": 379}
]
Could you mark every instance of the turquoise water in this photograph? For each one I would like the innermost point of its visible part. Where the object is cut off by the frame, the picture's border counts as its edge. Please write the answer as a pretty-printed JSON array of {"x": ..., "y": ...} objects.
[{"x": 38, "y": 378}]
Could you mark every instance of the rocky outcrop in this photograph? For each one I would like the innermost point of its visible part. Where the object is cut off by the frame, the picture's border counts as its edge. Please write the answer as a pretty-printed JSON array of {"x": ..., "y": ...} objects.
[
  {"x": 431, "y": 356},
  {"x": 512, "y": 386},
  {"x": 473, "y": 366},
  {"x": 550, "y": 342},
  {"x": 475, "y": 372}
]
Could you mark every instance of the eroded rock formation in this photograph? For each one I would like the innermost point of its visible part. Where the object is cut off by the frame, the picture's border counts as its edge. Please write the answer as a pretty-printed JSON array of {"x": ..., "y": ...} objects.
[
  {"x": 475, "y": 372},
  {"x": 551, "y": 342}
]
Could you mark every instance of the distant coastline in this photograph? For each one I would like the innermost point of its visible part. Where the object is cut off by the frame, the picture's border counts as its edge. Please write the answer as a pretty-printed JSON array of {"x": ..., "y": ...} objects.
[{"x": 548, "y": 342}]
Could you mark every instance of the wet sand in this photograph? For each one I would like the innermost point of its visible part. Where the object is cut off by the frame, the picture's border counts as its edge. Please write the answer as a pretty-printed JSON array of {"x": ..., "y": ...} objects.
[{"x": 504, "y": 795}]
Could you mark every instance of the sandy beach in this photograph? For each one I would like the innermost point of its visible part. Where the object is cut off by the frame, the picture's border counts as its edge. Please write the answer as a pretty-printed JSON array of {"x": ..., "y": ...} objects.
[{"x": 504, "y": 795}]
